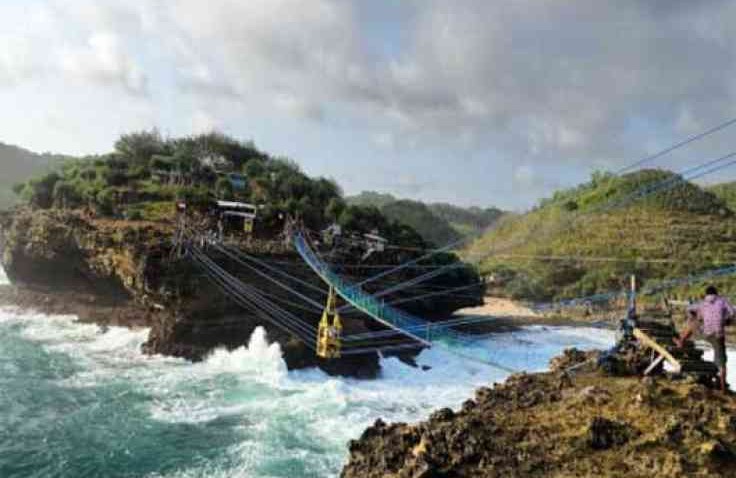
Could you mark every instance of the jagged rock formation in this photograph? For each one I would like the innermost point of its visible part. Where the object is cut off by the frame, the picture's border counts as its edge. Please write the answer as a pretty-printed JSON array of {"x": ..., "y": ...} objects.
[
  {"x": 122, "y": 273},
  {"x": 562, "y": 425}
]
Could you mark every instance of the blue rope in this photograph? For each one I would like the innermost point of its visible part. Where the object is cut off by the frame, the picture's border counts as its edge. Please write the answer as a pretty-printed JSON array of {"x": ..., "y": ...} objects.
[
  {"x": 677, "y": 146},
  {"x": 664, "y": 285}
]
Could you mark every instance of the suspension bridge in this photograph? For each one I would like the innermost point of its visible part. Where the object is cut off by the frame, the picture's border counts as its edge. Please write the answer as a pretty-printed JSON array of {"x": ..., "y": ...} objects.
[{"x": 401, "y": 330}]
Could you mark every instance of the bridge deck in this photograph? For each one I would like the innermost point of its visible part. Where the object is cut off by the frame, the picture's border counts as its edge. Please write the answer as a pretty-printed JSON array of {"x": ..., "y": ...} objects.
[{"x": 407, "y": 324}]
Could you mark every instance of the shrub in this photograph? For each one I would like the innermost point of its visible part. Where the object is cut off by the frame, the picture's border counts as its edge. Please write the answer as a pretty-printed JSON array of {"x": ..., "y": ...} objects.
[
  {"x": 105, "y": 202},
  {"x": 134, "y": 214},
  {"x": 40, "y": 192},
  {"x": 224, "y": 188},
  {"x": 524, "y": 287},
  {"x": 66, "y": 195}
]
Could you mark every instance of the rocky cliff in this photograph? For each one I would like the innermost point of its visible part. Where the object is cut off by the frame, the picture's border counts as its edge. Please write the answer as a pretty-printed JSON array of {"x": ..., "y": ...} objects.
[
  {"x": 562, "y": 425},
  {"x": 123, "y": 273}
]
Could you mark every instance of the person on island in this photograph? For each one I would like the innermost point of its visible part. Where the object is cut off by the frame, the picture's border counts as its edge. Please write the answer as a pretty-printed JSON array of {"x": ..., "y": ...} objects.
[{"x": 714, "y": 312}]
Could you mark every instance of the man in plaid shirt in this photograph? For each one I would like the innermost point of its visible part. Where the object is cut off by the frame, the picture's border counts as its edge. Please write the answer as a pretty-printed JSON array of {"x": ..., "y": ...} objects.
[{"x": 714, "y": 312}]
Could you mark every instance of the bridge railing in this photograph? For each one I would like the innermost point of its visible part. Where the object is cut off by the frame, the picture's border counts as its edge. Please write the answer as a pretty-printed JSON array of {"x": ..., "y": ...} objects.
[{"x": 404, "y": 322}]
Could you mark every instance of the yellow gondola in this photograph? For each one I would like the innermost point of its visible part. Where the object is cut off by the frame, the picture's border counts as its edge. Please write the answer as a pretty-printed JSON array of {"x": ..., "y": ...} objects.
[{"x": 329, "y": 333}]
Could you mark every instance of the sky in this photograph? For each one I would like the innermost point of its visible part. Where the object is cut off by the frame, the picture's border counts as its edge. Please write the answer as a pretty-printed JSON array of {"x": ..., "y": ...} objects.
[{"x": 465, "y": 101}]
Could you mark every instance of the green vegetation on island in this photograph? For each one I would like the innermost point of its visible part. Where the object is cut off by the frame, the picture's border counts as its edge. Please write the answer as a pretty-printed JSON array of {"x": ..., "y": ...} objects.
[{"x": 146, "y": 173}]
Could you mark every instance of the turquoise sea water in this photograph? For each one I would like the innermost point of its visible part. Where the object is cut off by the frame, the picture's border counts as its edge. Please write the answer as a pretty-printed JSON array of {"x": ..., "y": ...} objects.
[{"x": 77, "y": 402}]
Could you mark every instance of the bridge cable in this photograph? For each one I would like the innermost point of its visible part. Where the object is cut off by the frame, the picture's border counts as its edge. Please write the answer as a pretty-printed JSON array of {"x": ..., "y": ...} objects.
[{"x": 677, "y": 146}]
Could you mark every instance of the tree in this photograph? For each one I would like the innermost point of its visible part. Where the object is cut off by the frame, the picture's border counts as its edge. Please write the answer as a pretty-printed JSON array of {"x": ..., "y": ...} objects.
[
  {"x": 194, "y": 195},
  {"x": 255, "y": 168},
  {"x": 236, "y": 152},
  {"x": 105, "y": 202},
  {"x": 363, "y": 219},
  {"x": 161, "y": 163},
  {"x": 138, "y": 147},
  {"x": 335, "y": 208},
  {"x": 66, "y": 195},
  {"x": 224, "y": 188},
  {"x": 88, "y": 173},
  {"x": 41, "y": 191},
  {"x": 115, "y": 177},
  {"x": 570, "y": 205}
]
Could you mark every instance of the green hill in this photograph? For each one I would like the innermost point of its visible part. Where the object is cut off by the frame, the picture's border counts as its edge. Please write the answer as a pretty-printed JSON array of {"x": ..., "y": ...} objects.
[
  {"x": 588, "y": 239},
  {"x": 18, "y": 165},
  {"x": 726, "y": 192},
  {"x": 438, "y": 223}
]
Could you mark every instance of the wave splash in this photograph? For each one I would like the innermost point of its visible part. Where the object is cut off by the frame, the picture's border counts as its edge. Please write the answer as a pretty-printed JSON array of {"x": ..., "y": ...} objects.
[{"x": 237, "y": 413}]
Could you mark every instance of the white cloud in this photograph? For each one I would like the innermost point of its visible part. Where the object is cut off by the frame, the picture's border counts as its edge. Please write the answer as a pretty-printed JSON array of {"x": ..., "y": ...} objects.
[
  {"x": 408, "y": 184},
  {"x": 557, "y": 79},
  {"x": 524, "y": 175},
  {"x": 384, "y": 140},
  {"x": 16, "y": 62},
  {"x": 104, "y": 59},
  {"x": 561, "y": 86},
  {"x": 204, "y": 122},
  {"x": 298, "y": 107}
]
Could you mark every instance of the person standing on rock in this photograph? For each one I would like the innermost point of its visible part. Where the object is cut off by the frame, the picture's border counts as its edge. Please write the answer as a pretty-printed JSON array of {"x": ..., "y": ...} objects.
[{"x": 715, "y": 312}]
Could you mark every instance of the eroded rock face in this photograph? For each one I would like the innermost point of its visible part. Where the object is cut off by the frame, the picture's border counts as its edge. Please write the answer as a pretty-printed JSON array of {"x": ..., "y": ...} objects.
[
  {"x": 534, "y": 425},
  {"x": 62, "y": 263},
  {"x": 122, "y": 273}
]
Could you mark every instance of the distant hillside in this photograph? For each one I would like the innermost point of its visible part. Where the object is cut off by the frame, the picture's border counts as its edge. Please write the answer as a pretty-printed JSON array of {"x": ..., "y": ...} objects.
[
  {"x": 438, "y": 223},
  {"x": 467, "y": 220},
  {"x": 420, "y": 217},
  {"x": 588, "y": 239},
  {"x": 371, "y": 198},
  {"x": 17, "y": 165}
]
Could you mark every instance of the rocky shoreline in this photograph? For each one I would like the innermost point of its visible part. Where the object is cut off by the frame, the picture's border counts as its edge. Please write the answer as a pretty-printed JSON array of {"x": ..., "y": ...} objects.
[
  {"x": 123, "y": 273},
  {"x": 559, "y": 424},
  {"x": 550, "y": 424}
]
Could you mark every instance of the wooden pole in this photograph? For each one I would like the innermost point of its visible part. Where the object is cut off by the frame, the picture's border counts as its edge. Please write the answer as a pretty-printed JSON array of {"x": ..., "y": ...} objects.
[{"x": 632, "y": 296}]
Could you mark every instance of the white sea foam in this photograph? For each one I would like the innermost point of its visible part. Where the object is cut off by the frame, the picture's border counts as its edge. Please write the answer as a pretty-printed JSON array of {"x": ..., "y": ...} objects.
[
  {"x": 303, "y": 415},
  {"x": 731, "y": 353},
  {"x": 258, "y": 360},
  {"x": 314, "y": 413}
]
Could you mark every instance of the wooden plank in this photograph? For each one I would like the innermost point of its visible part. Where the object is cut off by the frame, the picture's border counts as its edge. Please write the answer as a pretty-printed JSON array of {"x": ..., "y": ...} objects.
[
  {"x": 654, "y": 365},
  {"x": 652, "y": 344}
]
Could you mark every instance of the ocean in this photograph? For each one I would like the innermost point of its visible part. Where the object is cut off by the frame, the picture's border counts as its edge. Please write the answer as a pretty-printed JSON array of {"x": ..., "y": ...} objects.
[{"x": 77, "y": 401}]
